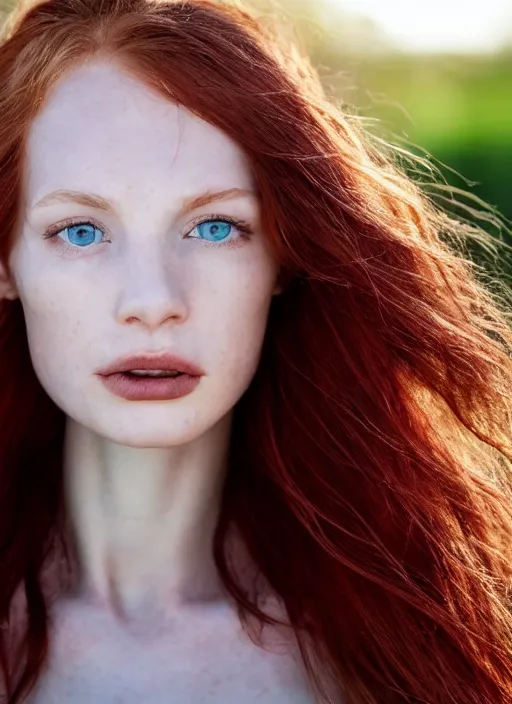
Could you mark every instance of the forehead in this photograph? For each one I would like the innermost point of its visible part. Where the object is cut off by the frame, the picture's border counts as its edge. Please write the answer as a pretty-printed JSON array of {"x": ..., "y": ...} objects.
[{"x": 101, "y": 125}]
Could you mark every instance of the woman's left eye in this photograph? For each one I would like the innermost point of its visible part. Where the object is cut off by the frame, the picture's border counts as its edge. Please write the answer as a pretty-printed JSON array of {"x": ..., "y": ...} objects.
[{"x": 219, "y": 230}]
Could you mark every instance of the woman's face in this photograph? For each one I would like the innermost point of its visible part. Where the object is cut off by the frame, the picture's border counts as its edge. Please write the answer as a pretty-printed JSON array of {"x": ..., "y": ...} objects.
[{"x": 141, "y": 273}]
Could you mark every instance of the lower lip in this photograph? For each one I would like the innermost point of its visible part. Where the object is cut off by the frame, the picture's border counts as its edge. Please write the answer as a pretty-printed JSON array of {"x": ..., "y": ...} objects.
[{"x": 147, "y": 388}]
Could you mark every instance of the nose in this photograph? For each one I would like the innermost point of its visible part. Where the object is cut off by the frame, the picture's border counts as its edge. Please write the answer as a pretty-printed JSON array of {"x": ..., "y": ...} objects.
[{"x": 150, "y": 296}]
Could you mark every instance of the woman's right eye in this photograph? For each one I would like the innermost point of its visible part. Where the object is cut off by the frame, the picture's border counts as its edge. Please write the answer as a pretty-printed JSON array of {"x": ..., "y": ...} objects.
[{"x": 81, "y": 234}]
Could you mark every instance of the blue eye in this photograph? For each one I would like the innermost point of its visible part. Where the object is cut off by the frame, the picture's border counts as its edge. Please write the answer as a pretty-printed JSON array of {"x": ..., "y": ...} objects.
[
  {"x": 80, "y": 235},
  {"x": 83, "y": 234},
  {"x": 214, "y": 230}
]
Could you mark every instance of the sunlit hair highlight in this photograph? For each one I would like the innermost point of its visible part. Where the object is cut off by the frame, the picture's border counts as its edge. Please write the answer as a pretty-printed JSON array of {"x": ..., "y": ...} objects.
[{"x": 370, "y": 466}]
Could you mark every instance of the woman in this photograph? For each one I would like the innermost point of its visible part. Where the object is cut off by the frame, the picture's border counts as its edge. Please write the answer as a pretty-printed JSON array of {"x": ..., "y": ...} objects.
[{"x": 245, "y": 381}]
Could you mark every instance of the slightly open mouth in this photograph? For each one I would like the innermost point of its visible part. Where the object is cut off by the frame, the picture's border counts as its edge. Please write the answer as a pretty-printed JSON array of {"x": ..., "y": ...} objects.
[
  {"x": 150, "y": 384},
  {"x": 151, "y": 373}
]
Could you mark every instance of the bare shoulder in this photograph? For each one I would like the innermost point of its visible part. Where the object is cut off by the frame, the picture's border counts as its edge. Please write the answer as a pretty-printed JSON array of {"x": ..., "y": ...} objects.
[{"x": 212, "y": 660}]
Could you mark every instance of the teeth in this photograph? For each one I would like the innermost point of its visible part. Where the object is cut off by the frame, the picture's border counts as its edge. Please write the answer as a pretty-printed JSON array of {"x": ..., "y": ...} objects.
[{"x": 152, "y": 372}]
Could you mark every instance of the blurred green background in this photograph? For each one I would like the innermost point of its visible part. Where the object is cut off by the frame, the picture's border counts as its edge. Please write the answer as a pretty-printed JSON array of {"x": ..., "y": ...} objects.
[
  {"x": 435, "y": 77},
  {"x": 435, "y": 74}
]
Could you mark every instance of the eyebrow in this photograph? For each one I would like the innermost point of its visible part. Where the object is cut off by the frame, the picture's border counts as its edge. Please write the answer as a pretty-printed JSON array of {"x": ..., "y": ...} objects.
[{"x": 90, "y": 200}]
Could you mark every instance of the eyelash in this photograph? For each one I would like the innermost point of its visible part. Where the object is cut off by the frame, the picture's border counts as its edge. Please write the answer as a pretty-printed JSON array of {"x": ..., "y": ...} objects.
[{"x": 244, "y": 228}]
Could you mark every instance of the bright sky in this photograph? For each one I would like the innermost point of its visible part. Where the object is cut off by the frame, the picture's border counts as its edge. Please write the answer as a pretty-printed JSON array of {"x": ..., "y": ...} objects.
[{"x": 438, "y": 25}]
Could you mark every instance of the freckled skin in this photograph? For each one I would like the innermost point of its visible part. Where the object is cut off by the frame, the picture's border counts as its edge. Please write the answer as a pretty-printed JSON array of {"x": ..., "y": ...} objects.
[
  {"x": 143, "y": 479},
  {"x": 150, "y": 287}
]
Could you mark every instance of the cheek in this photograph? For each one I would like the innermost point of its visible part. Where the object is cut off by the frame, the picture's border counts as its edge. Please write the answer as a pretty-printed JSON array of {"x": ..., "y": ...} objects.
[
  {"x": 53, "y": 307},
  {"x": 51, "y": 293},
  {"x": 55, "y": 316},
  {"x": 236, "y": 318}
]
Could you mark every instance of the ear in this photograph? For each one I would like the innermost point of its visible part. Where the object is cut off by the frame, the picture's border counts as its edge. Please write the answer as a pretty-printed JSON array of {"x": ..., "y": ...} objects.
[{"x": 7, "y": 287}]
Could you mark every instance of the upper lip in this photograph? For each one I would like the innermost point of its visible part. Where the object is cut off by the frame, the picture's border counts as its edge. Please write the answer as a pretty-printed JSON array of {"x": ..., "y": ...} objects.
[{"x": 160, "y": 360}]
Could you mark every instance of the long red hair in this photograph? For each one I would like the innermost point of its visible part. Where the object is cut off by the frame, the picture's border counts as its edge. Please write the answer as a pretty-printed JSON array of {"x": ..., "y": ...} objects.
[{"x": 371, "y": 457}]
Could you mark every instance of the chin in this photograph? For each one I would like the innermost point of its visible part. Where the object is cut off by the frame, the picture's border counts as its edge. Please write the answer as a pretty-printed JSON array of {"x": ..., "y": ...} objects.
[
  {"x": 145, "y": 428},
  {"x": 153, "y": 424},
  {"x": 150, "y": 437}
]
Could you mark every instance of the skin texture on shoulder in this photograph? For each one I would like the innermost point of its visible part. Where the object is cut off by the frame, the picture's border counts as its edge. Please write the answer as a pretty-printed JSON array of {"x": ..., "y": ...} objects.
[{"x": 201, "y": 658}]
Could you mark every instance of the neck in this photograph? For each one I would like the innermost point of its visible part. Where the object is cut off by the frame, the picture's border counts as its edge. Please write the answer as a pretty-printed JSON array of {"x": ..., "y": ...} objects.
[{"x": 143, "y": 520}]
